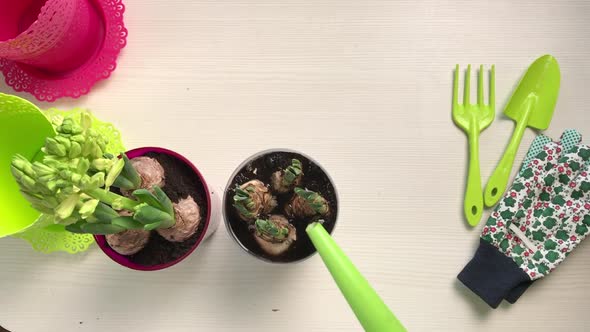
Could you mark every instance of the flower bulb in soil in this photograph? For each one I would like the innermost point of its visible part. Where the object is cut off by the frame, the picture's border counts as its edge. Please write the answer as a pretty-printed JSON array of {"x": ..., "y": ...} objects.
[
  {"x": 128, "y": 242},
  {"x": 253, "y": 199},
  {"x": 263, "y": 168},
  {"x": 187, "y": 216},
  {"x": 287, "y": 179},
  {"x": 306, "y": 203},
  {"x": 189, "y": 199},
  {"x": 150, "y": 171},
  {"x": 274, "y": 235}
]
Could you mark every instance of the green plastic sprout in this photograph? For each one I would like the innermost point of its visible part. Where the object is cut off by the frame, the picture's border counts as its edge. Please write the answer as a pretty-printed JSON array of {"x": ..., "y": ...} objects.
[
  {"x": 267, "y": 228},
  {"x": 314, "y": 200},
  {"x": 72, "y": 184}
]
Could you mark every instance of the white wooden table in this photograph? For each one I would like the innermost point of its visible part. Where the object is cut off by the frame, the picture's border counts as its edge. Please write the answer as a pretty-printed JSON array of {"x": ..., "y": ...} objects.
[{"x": 365, "y": 88}]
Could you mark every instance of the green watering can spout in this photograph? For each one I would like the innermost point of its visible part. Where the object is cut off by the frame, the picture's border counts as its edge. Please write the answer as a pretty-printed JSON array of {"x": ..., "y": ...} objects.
[{"x": 368, "y": 307}]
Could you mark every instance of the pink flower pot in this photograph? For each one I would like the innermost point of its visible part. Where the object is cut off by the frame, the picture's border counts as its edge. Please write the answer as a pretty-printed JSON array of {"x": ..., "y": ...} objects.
[
  {"x": 57, "y": 48},
  {"x": 211, "y": 220}
]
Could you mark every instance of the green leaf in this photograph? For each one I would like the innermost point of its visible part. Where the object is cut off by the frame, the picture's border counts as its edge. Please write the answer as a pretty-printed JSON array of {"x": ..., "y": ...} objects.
[
  {"x": 123, "y": 183},
  {"x": 585, "y": 186},
  {"x": 519, "y": 261},
  {"x": 527, "y": 203},
  {"x": 542, "y": 268},
  {"x": 549, "y": 223},
  {"x": 506, "y": 215},
  {"x": 548, "y": 212},
  {"x": 165, "y": 202},
  {"x": 151, "y": 227},
  {"x": 518, "y": 186},
  {"x": 552, "y": 256},
  {"x": 558, "y": 200},
  {"x": 127, "y": 223},
  {"x": 539, "y": 235},
  {"x": 581, "y": 230},
  {"x": 528, "y": 173},
  {"x": 542, "y": 155},
  {"x": 509, "y": 201},
  {"x": 548, "y": 167},
  {"x": 518, "y": 250},
  {"x": 564, "y": 179},
  {"x": 550, "y": 245},
  {"x": 575, "y": 166},
  {"x": 586, "y": 220},
  {"x": 584, "y": 153},
  {"x": 132, "y": 178},
  {"x": 146, "y": 214},
  {"x": 577, "y": 194},
  {"x": 562, "y": 235},
  {"x": 538, "y": 256},
  {"x": 105, "y": 213},
  {"x": 101, "y": 229},
  {"x": 504, "y": 244},
  {"x": 545, "y": 197},
  {"x": 75, "y": 228},
  {"x": 487, "y": 238},
  {"x": 549, "y": 180},
  {"x": 145, "y": 196},
  {"x": 499, "y": 236},
  {"x": 520, "y": 214}
]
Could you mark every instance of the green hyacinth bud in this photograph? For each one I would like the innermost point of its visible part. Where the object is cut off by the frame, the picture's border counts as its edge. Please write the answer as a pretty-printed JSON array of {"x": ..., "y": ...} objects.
[{"x": 53, "y": 147}]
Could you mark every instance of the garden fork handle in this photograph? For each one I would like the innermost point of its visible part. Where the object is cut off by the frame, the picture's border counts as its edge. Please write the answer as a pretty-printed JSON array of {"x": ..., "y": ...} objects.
[{"x": 473, "y": 205}]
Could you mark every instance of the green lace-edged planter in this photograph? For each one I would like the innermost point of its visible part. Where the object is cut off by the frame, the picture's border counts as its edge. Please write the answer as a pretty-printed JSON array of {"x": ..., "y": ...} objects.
[{"x": 271, "y": 198}]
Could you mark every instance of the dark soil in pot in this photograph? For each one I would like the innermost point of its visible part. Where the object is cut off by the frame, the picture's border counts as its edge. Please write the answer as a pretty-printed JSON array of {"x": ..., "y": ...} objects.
[
  {"x": 262, "y": 167},
  {"x": 181, "y": 181}
]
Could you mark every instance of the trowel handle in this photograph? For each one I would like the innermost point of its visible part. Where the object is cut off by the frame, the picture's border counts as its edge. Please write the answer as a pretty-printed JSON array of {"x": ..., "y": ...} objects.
[
  {"x": 368, "y": 307},
  {"x": 499, "y": 179}
]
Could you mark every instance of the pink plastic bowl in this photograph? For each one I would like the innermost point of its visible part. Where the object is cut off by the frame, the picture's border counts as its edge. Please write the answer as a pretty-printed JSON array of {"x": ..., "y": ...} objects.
[
  {"x": 59, "y": 48},
  {"x": 55, "y": 35},
  {"x": 207, "y": 230}
]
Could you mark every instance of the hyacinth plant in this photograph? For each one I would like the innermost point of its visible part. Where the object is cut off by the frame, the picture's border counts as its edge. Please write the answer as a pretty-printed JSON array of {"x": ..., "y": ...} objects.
[
  {"x": 72, "y": 183},
  {"x": 243, "y": 201},
  {"x": 292, "y": 172},
  {"x": 314, "y": 200},
  {"x": 269, "y": 230}
]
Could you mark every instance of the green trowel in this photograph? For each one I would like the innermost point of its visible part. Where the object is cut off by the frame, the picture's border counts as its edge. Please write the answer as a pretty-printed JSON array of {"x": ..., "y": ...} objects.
[
  {"x": 531, "y": 105},
  {"x": 368, "y": 307}
]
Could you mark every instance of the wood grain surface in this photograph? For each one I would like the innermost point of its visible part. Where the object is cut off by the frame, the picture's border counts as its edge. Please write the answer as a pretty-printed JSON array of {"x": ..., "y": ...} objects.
[{"x": 365, "y": 88}]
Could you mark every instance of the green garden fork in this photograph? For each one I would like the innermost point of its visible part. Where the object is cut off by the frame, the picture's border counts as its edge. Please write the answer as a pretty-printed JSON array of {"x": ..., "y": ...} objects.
[{"x": 473, "y": 119}]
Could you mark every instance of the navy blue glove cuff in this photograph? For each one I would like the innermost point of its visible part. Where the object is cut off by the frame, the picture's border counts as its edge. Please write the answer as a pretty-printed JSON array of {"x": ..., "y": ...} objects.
[{"x": 491, "y": 275}]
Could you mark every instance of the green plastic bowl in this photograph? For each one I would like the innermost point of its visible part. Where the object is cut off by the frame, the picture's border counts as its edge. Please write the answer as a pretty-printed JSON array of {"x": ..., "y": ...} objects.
[{"x": 23, "y": 129}]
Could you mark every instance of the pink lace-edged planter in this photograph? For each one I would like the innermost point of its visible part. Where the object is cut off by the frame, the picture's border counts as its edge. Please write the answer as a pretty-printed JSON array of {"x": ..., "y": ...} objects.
[
  {"x": 60, "y": 48},
  {"x": 210, "y": 218}
]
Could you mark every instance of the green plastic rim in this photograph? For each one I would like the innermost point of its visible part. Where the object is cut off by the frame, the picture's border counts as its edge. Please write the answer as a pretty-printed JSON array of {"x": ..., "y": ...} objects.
[{"x": 23, "y": 130}]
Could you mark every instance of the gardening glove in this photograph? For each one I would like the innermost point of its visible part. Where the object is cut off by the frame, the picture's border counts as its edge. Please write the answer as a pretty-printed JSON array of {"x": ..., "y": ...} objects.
[
  {"x": 569, "y": 139},
  {"x": 540, "y": 220}
]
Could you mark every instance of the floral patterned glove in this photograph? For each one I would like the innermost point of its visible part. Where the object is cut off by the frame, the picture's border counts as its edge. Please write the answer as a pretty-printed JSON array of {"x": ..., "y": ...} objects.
[
  {"x": 537, "y": 224},
  {"x": 569, "y": 139}
]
